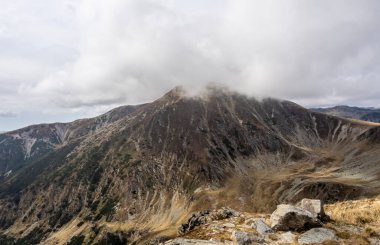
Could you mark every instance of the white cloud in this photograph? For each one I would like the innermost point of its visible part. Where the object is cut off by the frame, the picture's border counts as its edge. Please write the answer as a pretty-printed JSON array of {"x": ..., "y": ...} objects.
[{"x": 129, "y": 51}]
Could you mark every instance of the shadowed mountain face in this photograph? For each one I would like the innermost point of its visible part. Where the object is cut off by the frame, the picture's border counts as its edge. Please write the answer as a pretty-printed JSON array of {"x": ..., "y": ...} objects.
[
  {"x": 148, "y": 166},
  {"x": 365, "y": 114}
]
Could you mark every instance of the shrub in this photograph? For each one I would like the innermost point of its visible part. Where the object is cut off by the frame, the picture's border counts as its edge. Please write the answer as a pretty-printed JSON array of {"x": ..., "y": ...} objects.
[{"x": 76, "y": 240}]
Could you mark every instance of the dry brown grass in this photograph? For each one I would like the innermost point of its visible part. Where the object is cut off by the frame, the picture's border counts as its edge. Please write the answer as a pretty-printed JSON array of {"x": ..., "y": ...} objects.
[
  {"x": 204, "y": 234},
  {"x": 344, "y": 234},
  {"x": 366, "y": 123},
  {"x": 330, "y": 243},
  {"x": 69, "y": 230},
  {"x": 359, "y": 212},
  {"x": 355, "y": 240}
]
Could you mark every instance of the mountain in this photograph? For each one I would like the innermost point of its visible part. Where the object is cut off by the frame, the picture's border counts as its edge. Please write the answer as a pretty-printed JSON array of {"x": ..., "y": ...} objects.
[
  {"x": 19, "y": 147},
  {"x": 365, "y": 114},
  {"x": 139, "y": 171}
]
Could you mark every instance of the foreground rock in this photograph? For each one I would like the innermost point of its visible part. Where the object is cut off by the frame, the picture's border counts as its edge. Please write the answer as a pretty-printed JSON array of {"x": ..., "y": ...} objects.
[
  {"x": 244, "y": 238},
  {"x": 203, "y": 217},
  {"x": 194, "y": 221},
  {"x": 315, "y": 207},
  {"x": 317, "y": 236},
  {"x": 248, "y": 228},
  {"x": 289, "y": 217},
  {"x": 261, "y": 227}
]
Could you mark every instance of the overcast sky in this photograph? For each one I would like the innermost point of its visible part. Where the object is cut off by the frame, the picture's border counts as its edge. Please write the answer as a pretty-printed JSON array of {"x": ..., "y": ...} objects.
[{"x": 66, "y": 59}]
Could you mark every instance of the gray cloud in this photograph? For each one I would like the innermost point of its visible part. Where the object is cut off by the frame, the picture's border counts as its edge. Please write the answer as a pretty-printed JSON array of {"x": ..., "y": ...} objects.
[
  {"x": 7, "y": 114},
  {"x": 106, "y": 53}
]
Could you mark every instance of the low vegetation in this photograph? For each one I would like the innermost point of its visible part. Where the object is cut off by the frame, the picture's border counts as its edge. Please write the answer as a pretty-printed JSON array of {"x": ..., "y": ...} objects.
[
  {"x": 76, "y": 240},
  {"x": 358, "y": 212},
  {"x": 107, "y": 210}
]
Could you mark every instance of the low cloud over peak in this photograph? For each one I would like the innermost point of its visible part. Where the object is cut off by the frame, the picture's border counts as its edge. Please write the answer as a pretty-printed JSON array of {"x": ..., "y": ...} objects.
[{"x": 127, "y": 52}]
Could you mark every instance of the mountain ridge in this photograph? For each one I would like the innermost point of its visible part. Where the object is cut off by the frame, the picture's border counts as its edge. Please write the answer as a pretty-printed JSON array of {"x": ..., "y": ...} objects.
[
  {"x": 45, "y": 137},
  {"x": 161, "y": 161},
  {"x": 361, "y": 113}
]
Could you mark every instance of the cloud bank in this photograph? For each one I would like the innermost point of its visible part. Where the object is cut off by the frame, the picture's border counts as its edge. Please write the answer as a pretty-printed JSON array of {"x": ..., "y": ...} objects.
[{"x": 99, "y": 54}]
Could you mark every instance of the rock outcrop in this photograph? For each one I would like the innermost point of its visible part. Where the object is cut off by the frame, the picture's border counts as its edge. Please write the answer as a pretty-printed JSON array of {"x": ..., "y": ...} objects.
[
  {"x": 315, "y": 207},
  {"x": 289, "y": 217},
  {"x": 194, "y": 221},
  {"x": 206, "y": 216},
  {"x": 252, "y": 229}
]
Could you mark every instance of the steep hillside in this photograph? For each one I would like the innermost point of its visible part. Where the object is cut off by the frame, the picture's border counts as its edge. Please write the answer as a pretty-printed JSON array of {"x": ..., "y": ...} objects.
[
  {"x": 143, "y": 172},
  {"x": 19, "y": 147},
  {"x": 365, "y": 114}
]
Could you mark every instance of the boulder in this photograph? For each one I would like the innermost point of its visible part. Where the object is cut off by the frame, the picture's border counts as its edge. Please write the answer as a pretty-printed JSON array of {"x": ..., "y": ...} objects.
[
  {"x": 289, "y": 217},
  {"x": 260, "y": 226},
  {"x": 244, "y": 238},
  {"x": 317, "y": 236},
  {"x": 315, "y": 207}
]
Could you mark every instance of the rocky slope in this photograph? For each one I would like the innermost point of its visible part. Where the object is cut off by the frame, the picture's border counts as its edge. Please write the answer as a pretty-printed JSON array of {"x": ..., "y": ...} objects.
[
  {"x": 19, "y": 147},
  {"x": 365, "y": 114},
  {"x": 140, "y": 172},
  {"x": 349, "y": 222}
]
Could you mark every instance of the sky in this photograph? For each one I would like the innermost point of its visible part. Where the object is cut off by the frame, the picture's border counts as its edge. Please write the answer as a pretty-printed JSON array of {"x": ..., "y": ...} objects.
[{"x": 67, "y": 59}]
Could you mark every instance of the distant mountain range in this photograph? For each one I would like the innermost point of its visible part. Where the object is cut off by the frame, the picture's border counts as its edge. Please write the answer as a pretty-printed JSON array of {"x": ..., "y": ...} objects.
[{"x": 360, "y": 113}]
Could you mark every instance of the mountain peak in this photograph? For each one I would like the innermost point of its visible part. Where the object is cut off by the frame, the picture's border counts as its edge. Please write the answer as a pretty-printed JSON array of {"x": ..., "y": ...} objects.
[
  {"x": 151, "y": 165},
  {"x": 174, "y": 94},
  {"x": 212, "y": 90}
]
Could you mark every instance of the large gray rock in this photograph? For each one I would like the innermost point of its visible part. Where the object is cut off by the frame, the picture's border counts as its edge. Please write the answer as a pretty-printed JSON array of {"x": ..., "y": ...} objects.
[
  {"x": 289, "y": 217},
  {"x": 181, "y": 241},
  {"x": 260, "y": 226},
  {"x": 244, "y": 238},
  {"x": 317, "y": 236},
  {"x": 314, "y": 206}
]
